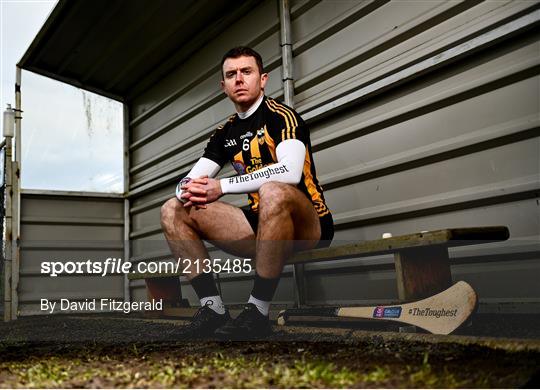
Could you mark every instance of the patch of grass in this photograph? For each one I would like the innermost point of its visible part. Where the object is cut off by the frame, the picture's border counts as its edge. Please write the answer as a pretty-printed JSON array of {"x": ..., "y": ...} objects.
[
  {"x": 52, "y": 372},
  {"x": 424, "y": 376},
  {"x": 377, "y": 375},
  {"x": 263, "y": 365},
  {"x": 241, "y": 372},
  {"x": 321, "y": 373}
]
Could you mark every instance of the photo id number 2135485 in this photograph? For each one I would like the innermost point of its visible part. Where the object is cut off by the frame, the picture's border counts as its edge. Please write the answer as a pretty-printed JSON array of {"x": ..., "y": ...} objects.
[{"x": 235, "y": 266}]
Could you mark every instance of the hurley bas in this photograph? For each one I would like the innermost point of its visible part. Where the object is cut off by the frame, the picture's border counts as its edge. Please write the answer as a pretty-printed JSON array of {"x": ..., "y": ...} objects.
[{"x": 104, "y": 304}]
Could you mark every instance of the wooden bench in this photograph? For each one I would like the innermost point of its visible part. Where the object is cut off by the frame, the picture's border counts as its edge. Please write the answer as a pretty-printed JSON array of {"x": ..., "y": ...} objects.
[{"x": 421, "y": 260}]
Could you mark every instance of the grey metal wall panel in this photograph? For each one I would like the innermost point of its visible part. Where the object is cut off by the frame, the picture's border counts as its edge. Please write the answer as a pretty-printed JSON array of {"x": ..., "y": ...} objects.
[
  {"x": 520, "y": 216},
  {"x": 52, "y": 206},
  {"x": 88, "y": 287},
  {"x": 423, "y": 115},
  {"x": 67, "y": 228},
  {"x": 394, "y": 44},
  {"x": 68, "y": 233},
  {"x": 259, "y": 21},
  {"x": 469, "y": 175},
  {"x": 379, "y": 25}
]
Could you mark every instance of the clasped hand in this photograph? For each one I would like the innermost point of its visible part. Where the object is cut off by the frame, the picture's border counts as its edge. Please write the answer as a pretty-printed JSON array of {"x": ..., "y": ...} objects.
[{"x": 201, "y": 191}]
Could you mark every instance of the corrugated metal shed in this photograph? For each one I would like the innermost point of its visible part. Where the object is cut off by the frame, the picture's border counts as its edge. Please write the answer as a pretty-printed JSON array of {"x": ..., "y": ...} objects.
[{"x": 423, "y": 115}]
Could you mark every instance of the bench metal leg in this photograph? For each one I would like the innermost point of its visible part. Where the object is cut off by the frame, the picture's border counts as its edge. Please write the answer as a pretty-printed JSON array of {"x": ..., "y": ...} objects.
[
  {"x": 299, "y": 285},
  {"x": 422, "y": 272}
]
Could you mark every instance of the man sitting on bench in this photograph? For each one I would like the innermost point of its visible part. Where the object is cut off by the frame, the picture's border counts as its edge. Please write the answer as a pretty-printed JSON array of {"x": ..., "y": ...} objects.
[{"x": 269, "y": 146}]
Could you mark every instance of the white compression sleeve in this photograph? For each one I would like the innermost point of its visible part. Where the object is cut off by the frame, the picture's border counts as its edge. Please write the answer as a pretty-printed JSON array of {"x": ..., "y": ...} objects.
[
  {"x": 290, "y": 153},
  {"x": 203, "y": 166}
]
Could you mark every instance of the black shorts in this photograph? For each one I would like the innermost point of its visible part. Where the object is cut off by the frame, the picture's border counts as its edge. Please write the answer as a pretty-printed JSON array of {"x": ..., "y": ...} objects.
[{"x": 326, "y": 221}]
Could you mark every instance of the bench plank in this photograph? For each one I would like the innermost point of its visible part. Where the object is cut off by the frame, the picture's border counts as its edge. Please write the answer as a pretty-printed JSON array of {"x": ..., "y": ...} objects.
[
  {"x": 421, "y": 260},
  {"x": 447, "y": 237}
]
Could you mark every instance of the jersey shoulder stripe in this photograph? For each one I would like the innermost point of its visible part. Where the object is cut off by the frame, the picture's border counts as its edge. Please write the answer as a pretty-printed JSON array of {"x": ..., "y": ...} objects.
[
  {"x": 273, "y": 108},
  {"x": 293, "y": 115},
  {"x": 290, "y": 120}
]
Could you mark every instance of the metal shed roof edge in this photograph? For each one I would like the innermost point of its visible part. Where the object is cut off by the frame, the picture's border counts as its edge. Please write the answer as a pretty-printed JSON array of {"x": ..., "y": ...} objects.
[
  {"x": 60, "y": 8},
  {"x": 57, "y": 53},
  {"x": 51, "y": 19}
]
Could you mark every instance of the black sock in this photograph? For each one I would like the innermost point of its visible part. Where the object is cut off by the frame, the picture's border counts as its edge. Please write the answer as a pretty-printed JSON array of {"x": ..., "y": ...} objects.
[
  {"x": 263, "y": 288},
  {"x": 204, "y": 285}
]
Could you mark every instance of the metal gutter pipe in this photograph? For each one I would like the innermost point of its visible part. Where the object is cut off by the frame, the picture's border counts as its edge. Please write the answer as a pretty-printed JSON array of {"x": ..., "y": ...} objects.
[
  {"x": 16, "y": 199},
  {"x": 286, "y": 52},
  {"x": 127, "y": 222},
  {"x": 9, "y": 124},
  {"x": 288, "y": 97}
]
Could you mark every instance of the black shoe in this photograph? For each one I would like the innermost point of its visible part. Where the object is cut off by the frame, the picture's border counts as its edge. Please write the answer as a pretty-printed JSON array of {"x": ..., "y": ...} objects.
[
  {"x": 250, "y": 324},
  {"x": 204, "y": 323}
]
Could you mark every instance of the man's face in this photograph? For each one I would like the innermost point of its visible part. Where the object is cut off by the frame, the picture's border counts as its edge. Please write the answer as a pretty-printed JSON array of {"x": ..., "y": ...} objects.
[{"x": 242, "y": 82}]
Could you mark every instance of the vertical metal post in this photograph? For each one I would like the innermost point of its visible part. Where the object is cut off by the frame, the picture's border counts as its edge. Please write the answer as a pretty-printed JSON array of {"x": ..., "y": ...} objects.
[
  {"x": 286, "y": 52},
  {"x": 16, "y": 199},
  {"x": 8, "y": 235},
  {"x": 288, "y": 96},
  {"x": 127, "y": 222}
]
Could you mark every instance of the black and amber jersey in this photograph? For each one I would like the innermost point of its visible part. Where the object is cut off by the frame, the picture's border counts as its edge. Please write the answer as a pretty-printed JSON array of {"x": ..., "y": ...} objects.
[{"x": 250, "y": 144}]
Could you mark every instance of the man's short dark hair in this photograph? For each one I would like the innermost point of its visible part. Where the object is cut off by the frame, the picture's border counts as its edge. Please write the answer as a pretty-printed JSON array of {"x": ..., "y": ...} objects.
[{"x": 240, "y": 51}]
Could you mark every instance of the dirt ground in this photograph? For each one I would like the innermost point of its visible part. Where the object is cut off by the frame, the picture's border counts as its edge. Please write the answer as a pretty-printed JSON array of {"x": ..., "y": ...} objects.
[{"x": 115, "y": 351}]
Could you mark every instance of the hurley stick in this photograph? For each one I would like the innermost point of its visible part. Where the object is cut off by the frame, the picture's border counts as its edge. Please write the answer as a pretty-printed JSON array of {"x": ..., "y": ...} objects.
[{"x": 439, "y": 314}]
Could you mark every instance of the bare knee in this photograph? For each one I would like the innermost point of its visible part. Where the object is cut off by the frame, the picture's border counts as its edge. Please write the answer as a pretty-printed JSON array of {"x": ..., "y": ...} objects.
[
  {"x": 172, "y": 212},
  {"x": 275, "y": 197}
]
